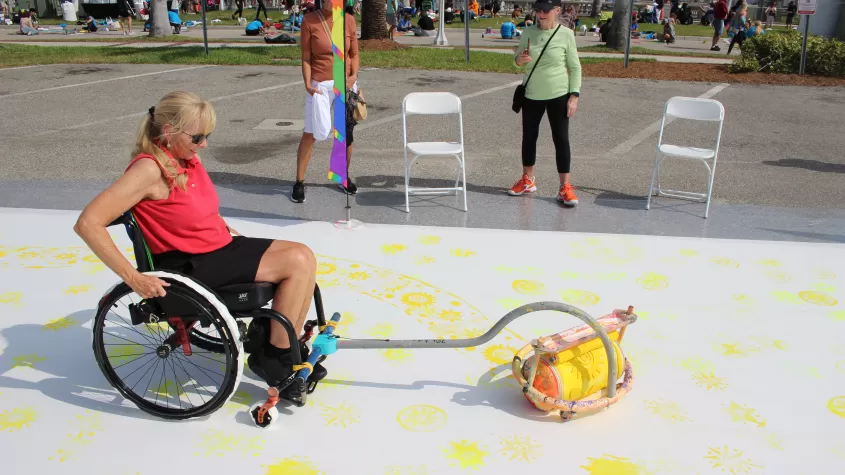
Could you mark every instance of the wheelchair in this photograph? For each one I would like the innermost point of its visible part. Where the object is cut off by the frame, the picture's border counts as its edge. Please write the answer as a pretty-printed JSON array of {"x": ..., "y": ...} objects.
[{"x": 182, "y": 355}]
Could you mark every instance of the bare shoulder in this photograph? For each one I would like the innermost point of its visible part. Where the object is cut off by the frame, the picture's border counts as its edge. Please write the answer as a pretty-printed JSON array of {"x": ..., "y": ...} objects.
[{"x": 145, "y": 176}]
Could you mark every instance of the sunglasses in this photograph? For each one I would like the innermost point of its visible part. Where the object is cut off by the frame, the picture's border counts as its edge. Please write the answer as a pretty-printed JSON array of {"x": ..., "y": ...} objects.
[{"x": 198, "y": 138}]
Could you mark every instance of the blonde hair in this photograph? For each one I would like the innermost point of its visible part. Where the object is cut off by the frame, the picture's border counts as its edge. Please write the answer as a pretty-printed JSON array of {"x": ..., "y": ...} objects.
[{"x": 178, "y": 109}]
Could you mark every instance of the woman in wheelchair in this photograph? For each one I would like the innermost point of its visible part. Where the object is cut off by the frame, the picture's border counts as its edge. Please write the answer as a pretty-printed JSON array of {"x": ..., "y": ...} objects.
[{"x": 176, "y": 207}]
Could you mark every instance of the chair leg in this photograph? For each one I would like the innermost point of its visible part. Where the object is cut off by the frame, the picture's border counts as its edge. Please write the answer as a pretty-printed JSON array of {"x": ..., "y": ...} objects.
[
  {"x": 710, "y": 188},
  {"x": 654, "y": 174},
  {"x": 407, "y": 172},
  {"x": 464, "y": 181}
]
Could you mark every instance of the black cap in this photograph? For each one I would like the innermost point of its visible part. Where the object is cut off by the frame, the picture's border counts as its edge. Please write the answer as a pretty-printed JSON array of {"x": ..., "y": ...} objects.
[{"x": 546, "y": 5}]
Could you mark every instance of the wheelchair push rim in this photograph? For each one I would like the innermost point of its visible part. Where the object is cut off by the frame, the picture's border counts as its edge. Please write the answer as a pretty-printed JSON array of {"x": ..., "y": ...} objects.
[{"x": 148, "y": 363}]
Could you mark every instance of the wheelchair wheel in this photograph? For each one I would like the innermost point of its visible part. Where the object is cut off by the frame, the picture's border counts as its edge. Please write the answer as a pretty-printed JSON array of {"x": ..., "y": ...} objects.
[{"x": 148, "y": 354}]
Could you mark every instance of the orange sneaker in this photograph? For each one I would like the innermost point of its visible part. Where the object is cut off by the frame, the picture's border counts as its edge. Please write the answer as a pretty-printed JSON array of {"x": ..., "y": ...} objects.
[
  {"x": 524, "y": 185},
  {"x": 566, "y": 196}
]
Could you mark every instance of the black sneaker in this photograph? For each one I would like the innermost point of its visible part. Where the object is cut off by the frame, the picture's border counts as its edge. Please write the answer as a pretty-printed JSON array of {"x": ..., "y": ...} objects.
[
  {"x": 298, "y": 195},
  {"x": 272, "y": 368},
  {"x": 350, "y": 187}
]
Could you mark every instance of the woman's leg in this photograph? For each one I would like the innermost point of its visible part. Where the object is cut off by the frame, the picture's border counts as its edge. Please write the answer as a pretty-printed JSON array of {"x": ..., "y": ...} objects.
[
  {"x": 532, "y": 114},
  {"x": 559, "y": 123},
  {"x": 294, "y": 267}
]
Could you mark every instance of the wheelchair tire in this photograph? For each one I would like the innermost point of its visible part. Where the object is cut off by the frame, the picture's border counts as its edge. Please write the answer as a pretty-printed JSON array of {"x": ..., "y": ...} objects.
[{"x": 165, "y": 391}]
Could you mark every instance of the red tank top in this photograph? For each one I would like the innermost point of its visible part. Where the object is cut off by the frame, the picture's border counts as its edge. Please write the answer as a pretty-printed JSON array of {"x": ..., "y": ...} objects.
[{"x": 186, "y": 221}]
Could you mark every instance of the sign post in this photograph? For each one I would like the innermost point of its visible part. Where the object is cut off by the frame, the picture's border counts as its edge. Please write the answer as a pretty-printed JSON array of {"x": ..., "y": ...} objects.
[
  {"x": 466, "y": 28},
  {"x": 441, "y": 26},
  {"x": 805, "y": 9},
  {"x": 628, "y": 40}
]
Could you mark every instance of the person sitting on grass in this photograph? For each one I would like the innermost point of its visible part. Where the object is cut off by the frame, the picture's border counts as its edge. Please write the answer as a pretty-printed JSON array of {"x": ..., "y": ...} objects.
[
  {"x": 508, "y": 30},
  {"x": 425, "y": 26},
  {"x": 668, "y": 31},
  {"x": 404, "y": 23}
]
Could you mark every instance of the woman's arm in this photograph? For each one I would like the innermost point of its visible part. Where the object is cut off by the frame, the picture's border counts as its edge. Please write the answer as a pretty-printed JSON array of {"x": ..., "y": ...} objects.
[
  {"x": 305, "y": 40},
  {"x": 123, "y": 194},
  {"x": 354, "y": 57},
  {"x": 573, "y": 64}
]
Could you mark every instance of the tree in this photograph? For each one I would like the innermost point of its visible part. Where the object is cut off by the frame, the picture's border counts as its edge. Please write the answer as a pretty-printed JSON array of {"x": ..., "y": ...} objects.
[
  {"x": 596, "y": 8},
  {"x": 620, "y": 26},
  {"x": 159, "y": 20},
  {"x": 373, "y": 19}
]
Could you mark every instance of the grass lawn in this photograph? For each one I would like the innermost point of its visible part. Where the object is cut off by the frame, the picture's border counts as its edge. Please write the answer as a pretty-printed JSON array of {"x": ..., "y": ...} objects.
[
  {"x": 412, "y": 58},
  {"x": 649, "y": 51}
]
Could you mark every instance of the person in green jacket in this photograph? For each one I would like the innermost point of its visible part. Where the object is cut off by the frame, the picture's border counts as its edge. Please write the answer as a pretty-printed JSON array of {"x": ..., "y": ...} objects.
[{"x": 554, "y": 87}]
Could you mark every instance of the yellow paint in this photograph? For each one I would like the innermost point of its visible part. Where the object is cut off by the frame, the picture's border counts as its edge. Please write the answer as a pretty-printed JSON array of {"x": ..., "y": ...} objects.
[
  {"x": 740, "y": 413},
  {"x": 424, "y": 260},
  {"x": 836, "y": 405},
  {"x": 529, "y": 287},
  {"x": 17, "y": 419},
  {"x": 817, "y": 298},
  {"x": 450, "y": 315},
  {"x": 346, "y": 320},
  {"x": 11, "y": 298},
  {"x": 724, "y": 262},
  {"x": 78, "y": 289},
  {"x": 499, "y": 354},
  {"x": 653, "y": 281},
  {"x": 86, "y": 426},
  {"x": 428, "y": 240},
  {"x": 466, "y": 454},
  {"x": 421, "y": 418},
  {"x": 730, "y": 460},
  {"x": 326, "y": 268},
  {"x": 239, "y": 401},
  {"x": 393, "y": 249},
  {"x": 579, "y": 297},
  {"x": 27, "y": 360},
  {"x": 840, "y": 366},
  {"x": 668, "y": 410},
  {"x": 342, "y": 415},
  {"x": 786, "y": 297},
  {"x": 778, "y": 276},
  {"x": 509, "y": 303},
  {"x": 122, "y": 354},
  {"x": 418, "y": 299},
  {"x": 732, "y": 349},
  {"x": 612, "y": 465},
  {"x": 710, "y": 381},
  {"x": 358, "y": 276},
  {"x": 520, "y": 448},
  {"x": 59, "y": 323},
  {"x": 823, "y": 287},
  {"x": 169, "y": 389},
  {"x": 461, "y": 252},
  {"x": 774, "y": 441},
  {"x": 688, "y": 252},
  {"x": 406, "y": 470},
  {"x": 294, "y": 466},
  {"x": 397, "y": 355},
  {"x": 219, "y": 443},
  {"x": 381, "y": 330}
]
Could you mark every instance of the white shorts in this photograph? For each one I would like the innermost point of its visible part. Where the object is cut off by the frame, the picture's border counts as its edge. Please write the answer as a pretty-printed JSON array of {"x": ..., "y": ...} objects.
[{"x": 318, "y": 109}]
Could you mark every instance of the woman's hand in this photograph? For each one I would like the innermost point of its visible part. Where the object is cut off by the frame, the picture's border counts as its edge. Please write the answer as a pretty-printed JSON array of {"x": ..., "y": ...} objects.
[
  {"x": 523, "y": 58},
  {"x": 311, "y": 89},
  {"x": 351, "y": 80},
  {"x": 571, "y": 106},
  {"x": 147, "y": 286}
]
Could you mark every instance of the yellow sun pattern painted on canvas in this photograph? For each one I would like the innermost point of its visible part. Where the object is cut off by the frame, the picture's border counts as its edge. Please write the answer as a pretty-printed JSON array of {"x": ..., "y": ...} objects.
[
  {"x": 294, "y": 466},
  {"x": 59, "y": 323},
  {"x": 341, "y": 415},
  {"x": 613, "y": 465},
  {"x": 528, "y": 287},
  {"x": 421, "y": 418},
  {"x": 428, "y": 240},
  {"x": 466, "y": 454},
  {"x": 524, "y": 449},
  {"x": 499, "y": 354},
  {"x": 393, "y": 249},
  {"x": 741, "y": 413},
  {"x": 381, "y": 330},
  {"x": 397, "y": 355},
  {"x": 17, "y": 419},
  {"x": 668, "y": 410},
  {"x": 78, "y": 289},
  {"x": 653, "y": 281},
  {"x": 218, "y": 443},
  {"x": 817, "y": 298},
  {"x": 84, "y": 430},
  {"x": 836, "y": 405},
  {"x": 27, "y": 360},
  {"x": 731, "y": 461},
  {"x": 11, "y": 298},
  {"x": 579, "y": 297},
  {"x": 724, "y": 262}
]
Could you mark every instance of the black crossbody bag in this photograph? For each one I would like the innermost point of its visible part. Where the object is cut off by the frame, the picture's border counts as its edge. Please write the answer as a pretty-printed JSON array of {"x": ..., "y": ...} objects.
[{"x": 519, "y": 93}]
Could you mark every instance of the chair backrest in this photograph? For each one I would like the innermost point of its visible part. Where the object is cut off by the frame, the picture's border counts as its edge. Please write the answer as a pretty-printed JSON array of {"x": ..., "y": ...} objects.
[
  {"x": 431, "y": 103},
  {"x": 143, "y": 258},
  {"x": 695, "y": 108}
]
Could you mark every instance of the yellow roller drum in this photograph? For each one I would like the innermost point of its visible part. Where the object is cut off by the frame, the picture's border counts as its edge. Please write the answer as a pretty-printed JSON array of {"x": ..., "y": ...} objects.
[{"x": 577, "y": 372}]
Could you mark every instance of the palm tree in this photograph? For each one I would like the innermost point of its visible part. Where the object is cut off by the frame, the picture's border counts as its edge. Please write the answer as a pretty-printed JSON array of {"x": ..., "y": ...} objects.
[
  {"x": 159, "y": 20},
  {"x": 373, "y": 19},
  {"x": 596, "y": 8},
  {"x": 620, "y": 27}
]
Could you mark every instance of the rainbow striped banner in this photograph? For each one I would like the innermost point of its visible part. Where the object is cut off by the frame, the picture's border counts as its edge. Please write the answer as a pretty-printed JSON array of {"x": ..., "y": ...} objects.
[{"x": 337, "y": 164}]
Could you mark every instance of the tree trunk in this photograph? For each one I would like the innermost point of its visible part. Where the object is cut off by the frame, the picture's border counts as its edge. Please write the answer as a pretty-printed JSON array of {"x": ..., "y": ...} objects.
[
  {"x": 596, "y": 8},
  {"x": 621, "y": 25},
  {"x": 159, "y": 20},
  {"x": 373, "y": 20}
]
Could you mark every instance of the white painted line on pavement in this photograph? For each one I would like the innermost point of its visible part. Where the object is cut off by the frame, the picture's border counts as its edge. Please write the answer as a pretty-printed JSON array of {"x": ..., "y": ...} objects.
[
  {"x": 22, "y": 67},
  {"x": 17, "y": 94},
  {"x": 647, "y": 132},
  {"x": 139, "y": 114},
  {"x": 468, "y": 96}
]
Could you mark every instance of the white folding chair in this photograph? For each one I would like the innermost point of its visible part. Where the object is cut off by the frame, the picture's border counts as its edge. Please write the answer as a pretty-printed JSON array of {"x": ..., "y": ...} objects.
[
  {"x": 691, "y": 108},
  {"x": 433, "y": 103}
]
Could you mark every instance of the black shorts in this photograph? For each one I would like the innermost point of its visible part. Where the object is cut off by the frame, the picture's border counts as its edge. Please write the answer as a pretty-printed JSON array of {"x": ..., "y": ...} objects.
[{"x": 234, "y": 263}]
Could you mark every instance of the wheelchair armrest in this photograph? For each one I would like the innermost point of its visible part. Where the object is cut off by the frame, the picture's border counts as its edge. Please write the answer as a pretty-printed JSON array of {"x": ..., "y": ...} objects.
[{"x": 122, "y": 219}]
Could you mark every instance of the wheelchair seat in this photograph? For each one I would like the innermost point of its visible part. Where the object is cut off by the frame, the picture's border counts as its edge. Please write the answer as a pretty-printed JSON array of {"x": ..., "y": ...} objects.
[{"x": 246, "y": 297}]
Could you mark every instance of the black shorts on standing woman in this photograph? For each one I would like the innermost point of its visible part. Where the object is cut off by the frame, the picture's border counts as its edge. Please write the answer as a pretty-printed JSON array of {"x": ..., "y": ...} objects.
[{"x": 547, "y": 52}]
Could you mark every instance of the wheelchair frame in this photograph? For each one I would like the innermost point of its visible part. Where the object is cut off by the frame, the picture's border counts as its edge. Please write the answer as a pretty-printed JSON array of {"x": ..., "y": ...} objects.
[{"x": 183, "y": 308}]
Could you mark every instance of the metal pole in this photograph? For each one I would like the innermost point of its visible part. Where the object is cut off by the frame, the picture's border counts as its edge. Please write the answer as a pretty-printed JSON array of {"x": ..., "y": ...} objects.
[
  {"x": 466, "y": 28},
  {"x": 802, "y": 67},
  {"x": 441, "y": 26},
  {"x": 628, "y": 40},
  {"x": 204, "y": 27}
]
